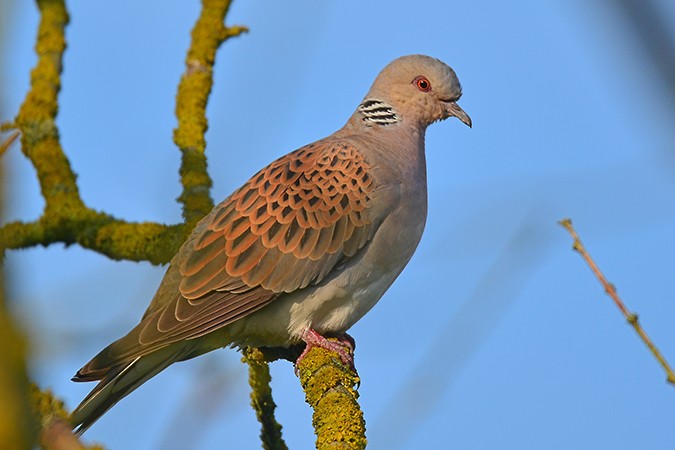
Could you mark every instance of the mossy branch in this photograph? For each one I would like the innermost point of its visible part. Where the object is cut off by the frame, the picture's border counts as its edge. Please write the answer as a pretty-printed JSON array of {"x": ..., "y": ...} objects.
[
  {"x": 17, "y": 424},
  {"x": 56, "y": 432},
  {"x": 193, "y": 93},
  {"x": 261, "y": 399},
  {"x": 66, "y": 219},
  {"x": 610, "y": 289},
  {"x": 330, "y": 389}
]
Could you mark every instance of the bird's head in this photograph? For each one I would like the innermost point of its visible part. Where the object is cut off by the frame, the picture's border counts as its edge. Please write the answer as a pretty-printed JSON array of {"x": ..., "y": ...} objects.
[{"x": 415, "y": 88}]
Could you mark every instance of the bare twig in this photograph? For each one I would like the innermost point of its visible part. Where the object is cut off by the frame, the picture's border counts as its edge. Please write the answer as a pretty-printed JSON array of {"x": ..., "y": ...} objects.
[
  {"x": 610, "y": 289},
  {"x": 9, "y": 141}
]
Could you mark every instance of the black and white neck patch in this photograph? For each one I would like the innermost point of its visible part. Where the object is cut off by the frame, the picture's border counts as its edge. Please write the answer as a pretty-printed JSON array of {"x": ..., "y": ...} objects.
[{"x": 378, "y": 112}]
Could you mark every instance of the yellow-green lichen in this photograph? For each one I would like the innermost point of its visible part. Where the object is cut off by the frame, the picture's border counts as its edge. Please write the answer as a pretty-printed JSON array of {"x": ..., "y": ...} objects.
[
  {"x": 329, "y": 388},
  {"x": 194, "y": 89},
  {"x": 261, "y": 400}
]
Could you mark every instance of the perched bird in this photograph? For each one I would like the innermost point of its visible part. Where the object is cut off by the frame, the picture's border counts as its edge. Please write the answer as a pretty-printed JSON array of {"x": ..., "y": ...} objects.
[{"x": 302, "y": 250}]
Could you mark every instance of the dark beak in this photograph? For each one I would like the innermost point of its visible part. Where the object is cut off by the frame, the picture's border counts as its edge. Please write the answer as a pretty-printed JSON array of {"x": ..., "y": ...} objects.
[{"x": 453, "y": 109}]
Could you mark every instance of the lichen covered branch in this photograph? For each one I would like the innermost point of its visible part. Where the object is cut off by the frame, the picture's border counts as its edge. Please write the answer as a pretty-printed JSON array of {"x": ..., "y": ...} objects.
[
  {"x": 66, "y": 218},
  {"x": 330, "y": 389},
  {"x": 261, "y": 400},
  {"x": 193, "y": 92}
]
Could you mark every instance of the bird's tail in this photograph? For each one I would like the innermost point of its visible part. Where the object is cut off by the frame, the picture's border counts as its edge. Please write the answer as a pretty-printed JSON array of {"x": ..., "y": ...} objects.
[{"x": 118, "y": 382}]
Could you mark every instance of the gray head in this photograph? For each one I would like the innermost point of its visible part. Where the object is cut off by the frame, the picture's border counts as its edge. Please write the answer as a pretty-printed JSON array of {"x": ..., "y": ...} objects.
[{"x": 417, "y": 89}]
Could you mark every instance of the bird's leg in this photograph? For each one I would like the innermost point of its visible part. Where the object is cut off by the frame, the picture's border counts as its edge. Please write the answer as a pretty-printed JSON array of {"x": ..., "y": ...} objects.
[{"x": 344, "y": 346}]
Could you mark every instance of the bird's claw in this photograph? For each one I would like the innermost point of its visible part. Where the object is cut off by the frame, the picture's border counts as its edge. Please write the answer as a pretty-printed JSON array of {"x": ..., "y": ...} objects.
[{"x": 344, "y": 347}]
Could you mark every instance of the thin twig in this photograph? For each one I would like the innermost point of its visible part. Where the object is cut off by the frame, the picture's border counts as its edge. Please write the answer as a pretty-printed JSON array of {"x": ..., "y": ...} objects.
[
  {"x": 610, "y": 289},
  {"x": 9, "y": 141}
]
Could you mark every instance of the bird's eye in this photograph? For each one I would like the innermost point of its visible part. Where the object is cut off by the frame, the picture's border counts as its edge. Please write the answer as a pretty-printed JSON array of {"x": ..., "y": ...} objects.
[{"x": 422, "y": 84}]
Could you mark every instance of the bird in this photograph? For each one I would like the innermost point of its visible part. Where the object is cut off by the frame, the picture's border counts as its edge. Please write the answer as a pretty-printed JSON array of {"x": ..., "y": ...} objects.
[{"x": 301, "y": 251}]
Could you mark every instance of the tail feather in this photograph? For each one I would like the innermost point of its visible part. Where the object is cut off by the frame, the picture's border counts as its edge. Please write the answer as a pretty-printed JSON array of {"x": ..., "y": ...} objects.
[{"x": 118, "y": 382}]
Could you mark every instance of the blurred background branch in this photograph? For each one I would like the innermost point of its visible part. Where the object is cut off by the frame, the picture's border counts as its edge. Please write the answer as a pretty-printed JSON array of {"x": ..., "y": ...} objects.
[
  {"x": 653, "y": 31},
  {"x": 464, "y": 332},
  {"x": 17, "y": 425}
]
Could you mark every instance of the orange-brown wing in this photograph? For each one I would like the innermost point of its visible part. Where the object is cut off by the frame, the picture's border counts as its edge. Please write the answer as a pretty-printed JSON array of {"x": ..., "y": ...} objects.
[{"x": 286, "y": 228}]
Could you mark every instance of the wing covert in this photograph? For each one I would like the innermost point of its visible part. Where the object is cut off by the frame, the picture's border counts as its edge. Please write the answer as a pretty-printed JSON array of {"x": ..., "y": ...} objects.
[{"x": 286, "y": 226}]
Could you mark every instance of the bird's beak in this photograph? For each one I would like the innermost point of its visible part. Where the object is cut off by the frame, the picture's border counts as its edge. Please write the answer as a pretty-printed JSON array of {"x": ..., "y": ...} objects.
[{"x": 453, "y": 109}]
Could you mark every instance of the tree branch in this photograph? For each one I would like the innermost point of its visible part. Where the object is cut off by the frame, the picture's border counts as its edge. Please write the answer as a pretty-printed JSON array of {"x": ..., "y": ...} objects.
[
  {"x": 261, "y": 399},
  {"x": 610, "y": 289},
  {"x": 37, "y": 115},
  {"x": 193, "y": 93},
  {"x": 17, "y": 425},
  {"x": 56, "y": 432},
  {"x": 330, "y": 389},
  {"x": 66, "y": 218}
]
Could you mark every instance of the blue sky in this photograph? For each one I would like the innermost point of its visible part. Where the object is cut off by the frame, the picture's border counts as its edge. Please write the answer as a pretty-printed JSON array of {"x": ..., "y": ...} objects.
[{"x": 496, "y": 335}]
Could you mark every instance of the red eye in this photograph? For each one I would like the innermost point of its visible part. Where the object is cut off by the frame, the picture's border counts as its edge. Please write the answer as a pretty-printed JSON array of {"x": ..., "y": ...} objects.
[{"x": 422, "y": 84}]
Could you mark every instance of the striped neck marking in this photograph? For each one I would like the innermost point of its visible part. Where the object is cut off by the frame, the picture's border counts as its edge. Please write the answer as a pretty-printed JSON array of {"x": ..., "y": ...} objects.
[{"x": 377, "y": 112}]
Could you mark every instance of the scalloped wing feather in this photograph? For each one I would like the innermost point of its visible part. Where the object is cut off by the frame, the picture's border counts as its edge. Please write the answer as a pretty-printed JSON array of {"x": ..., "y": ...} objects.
[{"x": 305, "y": 205}]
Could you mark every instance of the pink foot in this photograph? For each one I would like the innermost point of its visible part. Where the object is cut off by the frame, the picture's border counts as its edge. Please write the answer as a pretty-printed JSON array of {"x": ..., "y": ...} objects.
[{"x": 344, "y": 347}]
